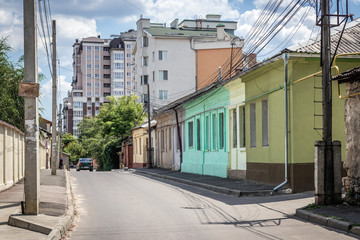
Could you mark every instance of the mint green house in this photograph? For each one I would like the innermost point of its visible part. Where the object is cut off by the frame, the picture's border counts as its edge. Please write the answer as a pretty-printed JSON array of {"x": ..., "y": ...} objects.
[{"x": 206, "y": 134}]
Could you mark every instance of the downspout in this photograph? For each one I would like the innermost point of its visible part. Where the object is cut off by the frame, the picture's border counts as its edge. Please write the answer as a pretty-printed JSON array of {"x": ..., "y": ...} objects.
[
  {"x": 196, "y": 63},
  {"x": 285, "y": 56},
  {"x": 179, "y": 136}
]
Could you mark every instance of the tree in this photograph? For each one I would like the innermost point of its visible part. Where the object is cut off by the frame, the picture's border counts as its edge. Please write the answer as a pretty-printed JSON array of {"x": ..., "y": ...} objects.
[
  {"x": 67, "y": 138},
  {"x": 76, "y": 151},
  {"x": 11, "y": 104},
  {"x": 102, "y": 136}
]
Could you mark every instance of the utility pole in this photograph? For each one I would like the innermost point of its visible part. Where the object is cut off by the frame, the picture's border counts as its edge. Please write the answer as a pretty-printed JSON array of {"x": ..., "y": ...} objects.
[
  {"x": 31, "y": 93},
  {"x": 327, "y": 100},
  {"x": 60, "y": 133},
  {"x": 149, "y": 149},
  {"x": 54, "y": 89}
]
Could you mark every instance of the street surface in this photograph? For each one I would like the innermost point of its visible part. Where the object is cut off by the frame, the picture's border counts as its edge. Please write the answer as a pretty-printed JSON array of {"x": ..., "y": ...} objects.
[{"x": 123, "y": 205}]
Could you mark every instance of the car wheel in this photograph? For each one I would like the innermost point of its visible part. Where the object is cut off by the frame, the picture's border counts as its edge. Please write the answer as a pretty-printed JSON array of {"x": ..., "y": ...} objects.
[
  {"x": 91, "y": 170},
  {"x": 77, "y": 170}
]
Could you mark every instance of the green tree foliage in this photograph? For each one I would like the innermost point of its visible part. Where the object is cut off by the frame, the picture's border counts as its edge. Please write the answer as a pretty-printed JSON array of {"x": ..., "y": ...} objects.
[
  {"x": 11, "y": 75},
  {"x": 76, "y": 151},
  {"x": 67, "y": 138},
  {"x": 102, "y": 135},
  {"x": 11, "y": 104}
]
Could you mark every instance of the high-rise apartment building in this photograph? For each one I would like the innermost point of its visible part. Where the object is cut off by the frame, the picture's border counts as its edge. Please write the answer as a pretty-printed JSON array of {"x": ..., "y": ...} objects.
[
  {"x": 101, "y": 68},
  {"x": 180, "y": 59}
]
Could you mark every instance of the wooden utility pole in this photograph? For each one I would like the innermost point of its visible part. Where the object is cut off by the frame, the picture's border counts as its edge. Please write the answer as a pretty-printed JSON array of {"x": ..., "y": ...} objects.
[
  {"x": 149, "y": 149},
  {"x": 32, "y": 169},
  {"x": 54, "y": 89}
]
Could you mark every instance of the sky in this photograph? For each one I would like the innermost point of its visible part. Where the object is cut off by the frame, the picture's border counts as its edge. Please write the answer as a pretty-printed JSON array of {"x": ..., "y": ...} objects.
[{"x": 77, "y": 19}]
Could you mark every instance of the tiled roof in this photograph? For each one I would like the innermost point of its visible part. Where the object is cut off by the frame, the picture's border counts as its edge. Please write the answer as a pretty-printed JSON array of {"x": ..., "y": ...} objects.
[{"x": 350, "y": 41}]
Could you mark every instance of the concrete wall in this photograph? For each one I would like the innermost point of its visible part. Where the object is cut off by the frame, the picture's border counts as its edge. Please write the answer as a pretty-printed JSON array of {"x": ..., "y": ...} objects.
[{"x": 12, "y": 155}]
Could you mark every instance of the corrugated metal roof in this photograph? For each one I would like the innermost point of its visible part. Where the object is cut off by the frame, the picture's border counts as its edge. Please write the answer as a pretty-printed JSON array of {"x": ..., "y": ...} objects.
[
  {"x": 350, "y": 41},
  {"x": 169, "y": 32}
]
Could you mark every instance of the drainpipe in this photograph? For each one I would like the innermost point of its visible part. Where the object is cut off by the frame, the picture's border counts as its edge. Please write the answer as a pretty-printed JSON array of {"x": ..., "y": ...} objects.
[
  {"x": 179, "y": 136},
  {"x": 285, "y": 56}
]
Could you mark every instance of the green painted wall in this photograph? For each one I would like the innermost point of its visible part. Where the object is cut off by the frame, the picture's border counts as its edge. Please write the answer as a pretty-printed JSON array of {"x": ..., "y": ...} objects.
[
  {"x": 302, "y": 135},
  {"x": 214, "y": 161}
]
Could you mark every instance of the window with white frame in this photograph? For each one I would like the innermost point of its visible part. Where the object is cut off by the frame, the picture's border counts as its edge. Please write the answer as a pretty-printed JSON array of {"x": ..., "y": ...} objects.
[
  {"x": 97, "y": 85},
  {"x": 97, "y": 66},
  {"x": 97, "y": 57},
  {"x": 76, "y": 122},
  {"x": 128, "y": 46},
  {"x": 163, "y": 94},
  {"x": 118, "y": 93},
  {"x": 88, "y": 94},
  {"x": 118, "y": 66},
  {"x": 128, "y": 83},
  {"x": 145, "y": 41},
  {"x": 97, "y": 75},
  {"x": 88, "y": 66},
  {"x": 89, "y": 113},
  {"x": 118, "y": 56},
  {"x": 88, "y": 75},
  {"x": 89, "y": 104},
  {"x": 77, "y": 104},
  {"x": 88, "y": 84},
  {"x": 97, "y": 104},
  {"x": 163, "y": 75},
  {"x": 144, "y": 79},
  {"x": 128, "y": 74},
  {"x": 128, "y": 55},
  {"x": 162, "y": 55},
  {"x": 144, "y": 61},
  {"x": 88, "y": 47},
  {"x": 78, "y": 113},
  {"x": 97, "y": 112},
  {"x": 97, "y": 48},
  {"x": 118, "y": 84},
  {"x": 97, "y": 94},
  {"x": 88, "y": 57},
  {"x": 118, "y": 75}
]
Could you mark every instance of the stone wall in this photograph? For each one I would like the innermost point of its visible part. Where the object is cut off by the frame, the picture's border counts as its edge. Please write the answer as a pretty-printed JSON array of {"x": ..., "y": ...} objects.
[{"x": 351, "y": 183}]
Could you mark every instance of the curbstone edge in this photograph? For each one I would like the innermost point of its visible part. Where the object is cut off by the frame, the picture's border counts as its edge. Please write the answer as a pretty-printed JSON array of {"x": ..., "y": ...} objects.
[{"x": 60, "y": 229}]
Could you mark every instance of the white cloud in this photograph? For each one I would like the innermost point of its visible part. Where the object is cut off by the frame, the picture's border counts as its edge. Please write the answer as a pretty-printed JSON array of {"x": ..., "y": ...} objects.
[
  {"x": 46, "y": 89},
  {"x": 70, "y": 28}
]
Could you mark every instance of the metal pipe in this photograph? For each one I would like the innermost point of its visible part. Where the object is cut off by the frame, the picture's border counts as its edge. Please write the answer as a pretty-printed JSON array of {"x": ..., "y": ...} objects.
[
  {"x": 285, "y": 56},
  {"x": 179, "y": 136}
]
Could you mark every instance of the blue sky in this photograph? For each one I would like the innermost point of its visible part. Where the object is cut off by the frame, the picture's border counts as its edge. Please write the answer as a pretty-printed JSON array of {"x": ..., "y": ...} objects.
[{"x": 83, "y": 18}]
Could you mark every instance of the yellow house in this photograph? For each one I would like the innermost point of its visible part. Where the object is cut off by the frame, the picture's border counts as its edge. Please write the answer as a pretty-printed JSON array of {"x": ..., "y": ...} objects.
[{"x": 140, "y": 144}]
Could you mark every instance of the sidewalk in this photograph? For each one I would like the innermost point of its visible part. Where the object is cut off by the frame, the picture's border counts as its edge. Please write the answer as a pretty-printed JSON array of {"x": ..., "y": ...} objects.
[
  {"x": 341, "y": 217},
  {"x": 228, "y": 186},
  {"x": 55, "y": 209}
]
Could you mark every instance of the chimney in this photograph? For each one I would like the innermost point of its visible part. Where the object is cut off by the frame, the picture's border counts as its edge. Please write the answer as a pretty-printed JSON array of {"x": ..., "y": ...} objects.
[
  {"x": 98, "y": 36},
  {"x": 220, "y": 31},
  {"x": 174, "y": 24}
]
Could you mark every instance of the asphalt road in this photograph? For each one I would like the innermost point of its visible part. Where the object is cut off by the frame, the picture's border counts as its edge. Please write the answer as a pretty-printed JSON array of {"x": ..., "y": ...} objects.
[{"x": 123, "y": 205}]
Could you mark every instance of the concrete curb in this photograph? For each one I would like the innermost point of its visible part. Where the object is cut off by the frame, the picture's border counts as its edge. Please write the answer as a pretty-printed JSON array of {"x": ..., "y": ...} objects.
[
  {"x": 328, "y": 221},
  {"x": 223, "y": 190},
  {"x": 60, "y": 229},
  {"x": 27, "y": 224}
]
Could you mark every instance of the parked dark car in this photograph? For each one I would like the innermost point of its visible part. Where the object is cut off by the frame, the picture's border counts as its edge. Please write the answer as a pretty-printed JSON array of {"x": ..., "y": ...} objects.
[{"x": 84, "y": 164}]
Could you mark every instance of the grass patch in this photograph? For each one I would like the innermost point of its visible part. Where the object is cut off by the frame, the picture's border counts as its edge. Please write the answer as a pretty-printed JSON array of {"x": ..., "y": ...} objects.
[{"x": 312, "y": 206}]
